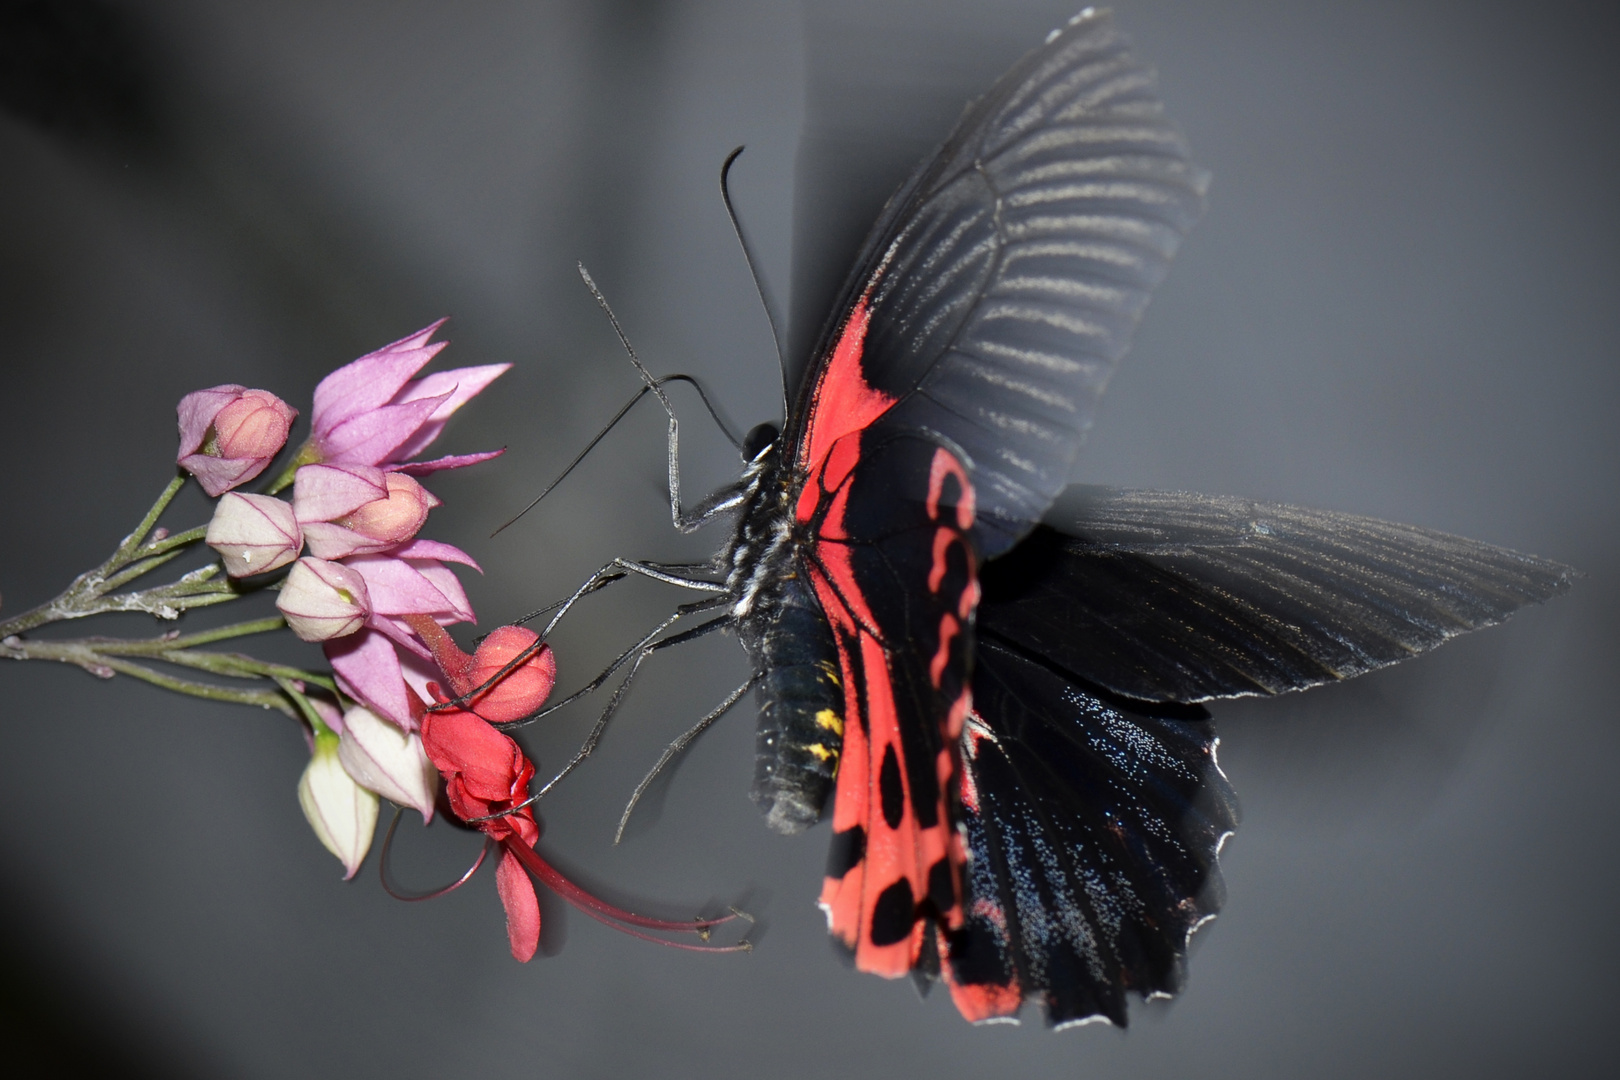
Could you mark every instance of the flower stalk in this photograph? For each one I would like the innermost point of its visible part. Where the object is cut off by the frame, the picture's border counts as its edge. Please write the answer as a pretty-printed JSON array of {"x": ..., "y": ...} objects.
[{"x": 142, "y": 551}]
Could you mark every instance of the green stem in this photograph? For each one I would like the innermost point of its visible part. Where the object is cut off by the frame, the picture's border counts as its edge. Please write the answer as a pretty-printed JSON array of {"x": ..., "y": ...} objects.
[
  {"x": 135, "y": 539},
  {"x": 203, "y": 637},
  {"x": 243, "y": 667},
  {"x": 174, "y": 540},
  {"x": 87, "y": 594},
  {"x": 265, "y": 699},
  {"x": 136, "y": 569},
  {"x": 310, "y": 715}
]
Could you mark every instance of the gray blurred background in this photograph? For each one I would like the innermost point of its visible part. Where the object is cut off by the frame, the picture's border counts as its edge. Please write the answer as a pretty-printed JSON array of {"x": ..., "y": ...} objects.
[{"x": 1402, "y": 303}]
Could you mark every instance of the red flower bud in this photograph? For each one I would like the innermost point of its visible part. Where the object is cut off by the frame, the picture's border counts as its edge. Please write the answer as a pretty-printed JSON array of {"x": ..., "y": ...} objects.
[
  {"x": 519, "y": 692},
  {"x": 524, "y": 689}
]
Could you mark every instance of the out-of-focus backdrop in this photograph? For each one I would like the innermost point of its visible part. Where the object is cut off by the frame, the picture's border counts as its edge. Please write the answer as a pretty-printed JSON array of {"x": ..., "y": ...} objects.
[{"x": 1402, "y": 302}]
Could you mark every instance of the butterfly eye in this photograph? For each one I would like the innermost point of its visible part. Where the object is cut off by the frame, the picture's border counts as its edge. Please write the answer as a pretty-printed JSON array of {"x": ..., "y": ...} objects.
[{"x": 758, "y": 438}]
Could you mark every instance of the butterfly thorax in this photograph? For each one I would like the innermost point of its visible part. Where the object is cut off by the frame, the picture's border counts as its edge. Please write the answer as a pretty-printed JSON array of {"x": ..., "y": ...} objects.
[{"x": 795, "y": 663}]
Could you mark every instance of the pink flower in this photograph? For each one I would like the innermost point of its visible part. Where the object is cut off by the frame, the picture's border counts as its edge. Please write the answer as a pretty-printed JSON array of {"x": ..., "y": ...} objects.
[
  {"x": 357, "y": 509},
  {"x": 228, "y": 434},
  {"x": 371, "y": 412},
  {"x": 369, "y": 669},
  {"x": 322, "y": 600},
  {"x": 378, "y": 665},
  {"x": 253, "y": 533}
]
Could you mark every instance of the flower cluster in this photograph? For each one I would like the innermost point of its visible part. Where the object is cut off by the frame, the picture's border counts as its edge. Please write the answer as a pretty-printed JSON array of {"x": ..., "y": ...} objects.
[
  {"x": 402, "y": 703},
  {"x": 362, "y": 582}
]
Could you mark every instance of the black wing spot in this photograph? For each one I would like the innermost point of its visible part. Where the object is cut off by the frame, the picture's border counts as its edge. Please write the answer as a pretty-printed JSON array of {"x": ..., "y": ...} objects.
[
  {"x": 889, "y": 786},
  {"x": 941, "y": 886},
  {"x": 894, "y": 914},
  {"x": 846, "y": 852}
]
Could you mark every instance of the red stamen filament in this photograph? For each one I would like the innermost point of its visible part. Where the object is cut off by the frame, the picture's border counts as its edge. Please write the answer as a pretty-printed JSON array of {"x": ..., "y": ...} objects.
[{"x": 618, "y": 918}]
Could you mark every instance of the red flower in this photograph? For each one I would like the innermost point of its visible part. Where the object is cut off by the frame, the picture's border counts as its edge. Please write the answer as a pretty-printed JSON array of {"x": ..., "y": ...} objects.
[
  {"x": 486, "y": 773},
  {"x": 487, "y": 780}
]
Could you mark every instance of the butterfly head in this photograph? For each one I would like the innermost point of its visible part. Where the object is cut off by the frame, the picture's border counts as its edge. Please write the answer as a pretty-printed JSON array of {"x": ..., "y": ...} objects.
[{"x": 760, "y": 438}]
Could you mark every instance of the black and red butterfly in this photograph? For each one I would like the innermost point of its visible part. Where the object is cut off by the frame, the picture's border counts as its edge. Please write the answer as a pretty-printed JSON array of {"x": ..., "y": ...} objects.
[{"x": 1000, "y": 677}]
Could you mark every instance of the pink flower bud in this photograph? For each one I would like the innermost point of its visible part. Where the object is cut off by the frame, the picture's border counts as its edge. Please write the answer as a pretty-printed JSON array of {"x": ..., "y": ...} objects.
[
  {"x": 383, "y": 758},
  {"x": 228, "y": 434},
  {"x": 253, "y": 533},
  {"x": 342, "y": 813},
  {"x": 323, "y": 600},
  {"x": 395, "y": 518},
  {"x": 520, "y": 692},
  {"x": 524, "y": 689}
]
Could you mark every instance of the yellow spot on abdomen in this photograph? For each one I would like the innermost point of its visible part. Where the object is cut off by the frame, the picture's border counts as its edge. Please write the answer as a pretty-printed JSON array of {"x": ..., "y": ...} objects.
[
  {"x": 831, "y": 721},
  {"x": 821, "y": 752}
]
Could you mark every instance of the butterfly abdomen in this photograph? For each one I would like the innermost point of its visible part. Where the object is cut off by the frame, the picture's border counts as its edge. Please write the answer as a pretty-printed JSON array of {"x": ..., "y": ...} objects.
[{"x": 801, "y": 707}]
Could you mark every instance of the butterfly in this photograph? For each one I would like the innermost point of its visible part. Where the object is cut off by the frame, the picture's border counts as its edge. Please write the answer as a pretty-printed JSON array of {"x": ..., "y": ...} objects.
[{"x": 995, "y": 677}]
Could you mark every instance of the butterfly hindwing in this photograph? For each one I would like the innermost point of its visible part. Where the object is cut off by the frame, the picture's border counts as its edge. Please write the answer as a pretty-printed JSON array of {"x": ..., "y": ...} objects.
[
  {"x": 1093, "y": 835},
  {"x": 893, "y": 566}
]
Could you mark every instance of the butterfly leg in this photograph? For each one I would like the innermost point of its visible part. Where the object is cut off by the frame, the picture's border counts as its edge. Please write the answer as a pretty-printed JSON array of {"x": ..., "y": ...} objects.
[
  {"x": 727, "y": 498},
  {"x": 622, "y": 659},
  {"x": 647, "y": 650},
  {"x": 681, "y": 575},
  {"x": 675, "y": 749}
]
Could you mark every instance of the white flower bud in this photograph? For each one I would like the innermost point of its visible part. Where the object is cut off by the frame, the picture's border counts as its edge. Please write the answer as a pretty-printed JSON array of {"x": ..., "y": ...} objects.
[
  {"x": 254, "y": 533},
  {"x": 382, "y": 757},
  {"x": 342, "y": 813},
  {"x": 323, "y": 600}
]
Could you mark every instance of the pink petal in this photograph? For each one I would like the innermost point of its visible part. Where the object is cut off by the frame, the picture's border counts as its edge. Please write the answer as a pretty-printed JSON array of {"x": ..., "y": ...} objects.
[
  {"x": 328, "y": 541},
  {"x": 418, "y": 672},
  {"x": 461, "y": 384},
  {"x": 327, "y": 492},
  {"x": 369, "y": 382},
  {"x": 399, "y": 588},
  {"x": 444, "y": 579},
  {"x": 452, "y": 461},
  {"x": 522, "y": 907},
  {"x": 328, "y": 713},
  {"x": 219, "y": 475},
  {"x": 198, "y": 409},
  {"x": 433, "y": 549},
  {"x": 420, "y": 338},
  {"x": 368, "y": 670},
  {"x": 371, "y": 438},
  {"x": 400, "y": 633}
]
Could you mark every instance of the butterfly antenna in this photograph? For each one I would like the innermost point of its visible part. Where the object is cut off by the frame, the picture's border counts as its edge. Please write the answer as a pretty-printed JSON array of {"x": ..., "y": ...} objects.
[
  {"x": 714, "y": 414},
  {"x": 753, "y": 270}
]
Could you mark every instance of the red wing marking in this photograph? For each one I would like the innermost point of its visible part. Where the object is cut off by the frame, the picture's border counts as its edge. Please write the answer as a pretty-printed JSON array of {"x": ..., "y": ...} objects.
[
  {"x": 842, "y": 401},
  {"x": 907, "y": 869},
  {"x": 943, "y": 465},
  {"x": 948, "y": 629},
  {"x": 980, "y": 1002}
]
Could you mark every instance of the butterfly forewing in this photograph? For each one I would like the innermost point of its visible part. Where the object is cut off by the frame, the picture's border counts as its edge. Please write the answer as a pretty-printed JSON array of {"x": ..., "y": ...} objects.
[
  {"x": 1171, "y": 596},
  {"x": 1004, "y": 281}
]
